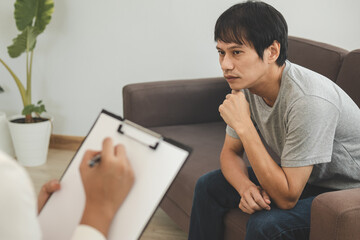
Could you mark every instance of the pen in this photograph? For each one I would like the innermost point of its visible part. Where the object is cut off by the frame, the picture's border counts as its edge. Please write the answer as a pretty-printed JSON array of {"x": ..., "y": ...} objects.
[{"x": 95, "y": 160}]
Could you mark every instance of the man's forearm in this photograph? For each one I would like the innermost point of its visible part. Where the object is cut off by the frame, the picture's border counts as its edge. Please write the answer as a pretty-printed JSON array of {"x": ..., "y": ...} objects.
[
  {"x": 271, "y": 177},
  {"x": 235, "y": 171}
]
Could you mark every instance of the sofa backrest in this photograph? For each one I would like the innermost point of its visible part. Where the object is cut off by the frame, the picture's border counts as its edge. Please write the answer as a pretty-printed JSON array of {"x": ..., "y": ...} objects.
[
  {"x": 349, "y": 75},
  {"x": 177, "y": 102},
  {"x": 319, "y": 57}
]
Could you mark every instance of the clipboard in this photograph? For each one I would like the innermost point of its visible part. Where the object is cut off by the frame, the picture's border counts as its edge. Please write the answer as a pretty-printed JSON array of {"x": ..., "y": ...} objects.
[{"x": 155, "y": 159}]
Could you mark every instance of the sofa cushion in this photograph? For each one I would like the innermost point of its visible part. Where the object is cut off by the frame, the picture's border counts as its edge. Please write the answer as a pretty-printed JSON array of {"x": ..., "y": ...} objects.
[
  {"x": 349, "y": 76},
  {"x": 332, "y": 212},
  {"x": 319, "y": 57},
  {"x": 235, "y": 224}
]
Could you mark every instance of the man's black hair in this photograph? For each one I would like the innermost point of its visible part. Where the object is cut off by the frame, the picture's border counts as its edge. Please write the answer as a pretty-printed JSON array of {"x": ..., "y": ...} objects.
[{"x": 255, "y": 23}]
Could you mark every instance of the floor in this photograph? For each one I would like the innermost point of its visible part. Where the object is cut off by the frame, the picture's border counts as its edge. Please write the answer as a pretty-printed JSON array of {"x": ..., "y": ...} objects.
[{"x": 161, "y": 227}]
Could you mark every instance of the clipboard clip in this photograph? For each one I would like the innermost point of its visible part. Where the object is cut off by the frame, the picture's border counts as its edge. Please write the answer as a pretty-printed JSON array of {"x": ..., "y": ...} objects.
[{"x": 143, "y": 130}]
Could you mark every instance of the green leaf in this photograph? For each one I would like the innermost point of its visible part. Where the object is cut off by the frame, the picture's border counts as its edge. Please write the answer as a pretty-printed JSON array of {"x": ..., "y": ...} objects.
[
  {"x": 42, "y": 109},
  {"x": 28, "y": 109},
  {"x": 27, "y": 39},
  {"x": 31, "y": 108},
  {"x": 25, "y": 11},
  {"x": 43, "y": 15}
]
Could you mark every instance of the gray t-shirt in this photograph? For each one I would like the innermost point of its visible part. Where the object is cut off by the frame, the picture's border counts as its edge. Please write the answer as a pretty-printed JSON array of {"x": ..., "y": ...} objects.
[{"x": 312, "y": 122}]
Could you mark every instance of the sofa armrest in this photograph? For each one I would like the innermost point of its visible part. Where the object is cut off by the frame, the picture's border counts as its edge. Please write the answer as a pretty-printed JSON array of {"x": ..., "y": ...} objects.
[
  {"x": 336, "y": 215},
  {"x": 175, "y": 102}
]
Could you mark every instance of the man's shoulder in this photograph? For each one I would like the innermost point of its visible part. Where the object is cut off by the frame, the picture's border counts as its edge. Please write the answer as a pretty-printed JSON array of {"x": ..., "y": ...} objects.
[
  {"x": 307, "y": 80},
  {"x": 301, "y": 82}
]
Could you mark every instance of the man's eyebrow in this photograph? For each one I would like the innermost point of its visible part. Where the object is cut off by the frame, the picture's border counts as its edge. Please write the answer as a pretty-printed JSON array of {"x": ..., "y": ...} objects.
[{"x": 232, "y": 47}]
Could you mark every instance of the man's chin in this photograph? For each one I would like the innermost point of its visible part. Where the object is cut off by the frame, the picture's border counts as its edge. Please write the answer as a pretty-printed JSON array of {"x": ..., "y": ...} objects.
[{"x": 236, "y": 88}]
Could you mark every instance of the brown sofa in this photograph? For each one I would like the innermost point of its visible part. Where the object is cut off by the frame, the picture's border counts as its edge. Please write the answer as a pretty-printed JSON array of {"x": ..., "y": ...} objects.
[{"x": 187, "y": 111}]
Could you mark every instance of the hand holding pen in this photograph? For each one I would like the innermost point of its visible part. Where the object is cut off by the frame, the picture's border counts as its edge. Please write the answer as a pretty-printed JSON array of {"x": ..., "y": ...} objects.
[
  {"x": 107, "y": 178},
  {"x": 95, "y": 160}
]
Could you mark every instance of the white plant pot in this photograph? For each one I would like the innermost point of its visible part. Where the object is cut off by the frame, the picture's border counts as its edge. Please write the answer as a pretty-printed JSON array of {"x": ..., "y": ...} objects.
[
  {"x": 6, "y": 144},
  {"x": 31, "y": 140}
]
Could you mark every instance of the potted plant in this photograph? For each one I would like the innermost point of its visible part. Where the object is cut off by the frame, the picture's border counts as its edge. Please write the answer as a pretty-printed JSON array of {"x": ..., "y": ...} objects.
[{"x": 31, "y": 17}]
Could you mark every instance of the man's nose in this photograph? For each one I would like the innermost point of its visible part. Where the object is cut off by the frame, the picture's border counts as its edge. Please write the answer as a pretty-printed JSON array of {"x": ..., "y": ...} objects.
[{"x": 226, "y": 63}]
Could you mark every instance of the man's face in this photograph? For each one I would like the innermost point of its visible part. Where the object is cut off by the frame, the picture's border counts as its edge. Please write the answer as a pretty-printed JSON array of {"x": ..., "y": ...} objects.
[{"x": 241, "y": 65}]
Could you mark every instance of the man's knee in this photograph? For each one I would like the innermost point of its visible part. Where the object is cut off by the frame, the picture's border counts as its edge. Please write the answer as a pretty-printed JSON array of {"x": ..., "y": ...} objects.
[
  {"x": 208, "y": 183},
  {"x": 276, "y": 224},
  {"x": 262, "y": 225}
]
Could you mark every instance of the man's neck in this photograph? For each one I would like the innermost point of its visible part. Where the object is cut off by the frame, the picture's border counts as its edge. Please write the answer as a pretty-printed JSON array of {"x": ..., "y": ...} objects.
[{"x": 269, "y": 88}]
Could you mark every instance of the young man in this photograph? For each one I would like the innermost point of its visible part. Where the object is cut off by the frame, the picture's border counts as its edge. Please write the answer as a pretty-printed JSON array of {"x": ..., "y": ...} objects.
[{"x": 304, "y": 117}]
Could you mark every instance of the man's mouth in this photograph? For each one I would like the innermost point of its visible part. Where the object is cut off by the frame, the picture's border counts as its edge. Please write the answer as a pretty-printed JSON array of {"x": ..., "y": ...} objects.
[{"x": 230, "y": 78}]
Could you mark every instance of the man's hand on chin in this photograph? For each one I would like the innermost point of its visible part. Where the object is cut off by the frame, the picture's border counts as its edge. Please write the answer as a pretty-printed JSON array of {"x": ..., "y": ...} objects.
[{"x": 235, "y": 110}]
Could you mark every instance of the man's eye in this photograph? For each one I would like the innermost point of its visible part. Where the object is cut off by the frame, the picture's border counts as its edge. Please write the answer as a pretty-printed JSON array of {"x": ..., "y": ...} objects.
[
  {"x": 236, "y": 52},
  {"x": 221, "y": 52}
]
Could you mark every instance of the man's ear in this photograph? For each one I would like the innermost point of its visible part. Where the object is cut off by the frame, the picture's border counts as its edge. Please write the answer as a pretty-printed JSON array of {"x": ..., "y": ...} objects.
[{"x": 273, "y": 52}]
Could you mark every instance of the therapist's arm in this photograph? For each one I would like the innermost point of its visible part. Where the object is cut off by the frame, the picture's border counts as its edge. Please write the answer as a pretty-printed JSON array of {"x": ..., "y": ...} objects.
[{"x": 106, "y": 185}]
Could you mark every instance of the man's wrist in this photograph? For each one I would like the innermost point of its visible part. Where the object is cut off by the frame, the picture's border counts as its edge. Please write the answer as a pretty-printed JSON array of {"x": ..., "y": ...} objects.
[
  {"x": 244, "y": 187},
  {"x": 244, "y": 129}
]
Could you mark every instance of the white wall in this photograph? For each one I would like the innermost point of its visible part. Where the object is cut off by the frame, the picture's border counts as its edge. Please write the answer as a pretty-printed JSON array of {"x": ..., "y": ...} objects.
[{"x": 91, "y": 49}]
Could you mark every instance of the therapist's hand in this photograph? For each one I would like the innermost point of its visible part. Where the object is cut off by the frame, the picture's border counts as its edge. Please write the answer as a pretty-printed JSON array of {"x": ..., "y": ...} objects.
[
  {"x": 106, "y": 185},
  {"x": 46, "y": 190}
]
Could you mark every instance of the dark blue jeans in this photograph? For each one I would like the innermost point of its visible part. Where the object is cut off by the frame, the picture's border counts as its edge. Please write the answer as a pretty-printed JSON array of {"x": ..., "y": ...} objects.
[{"x": 214, "y": 197}]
